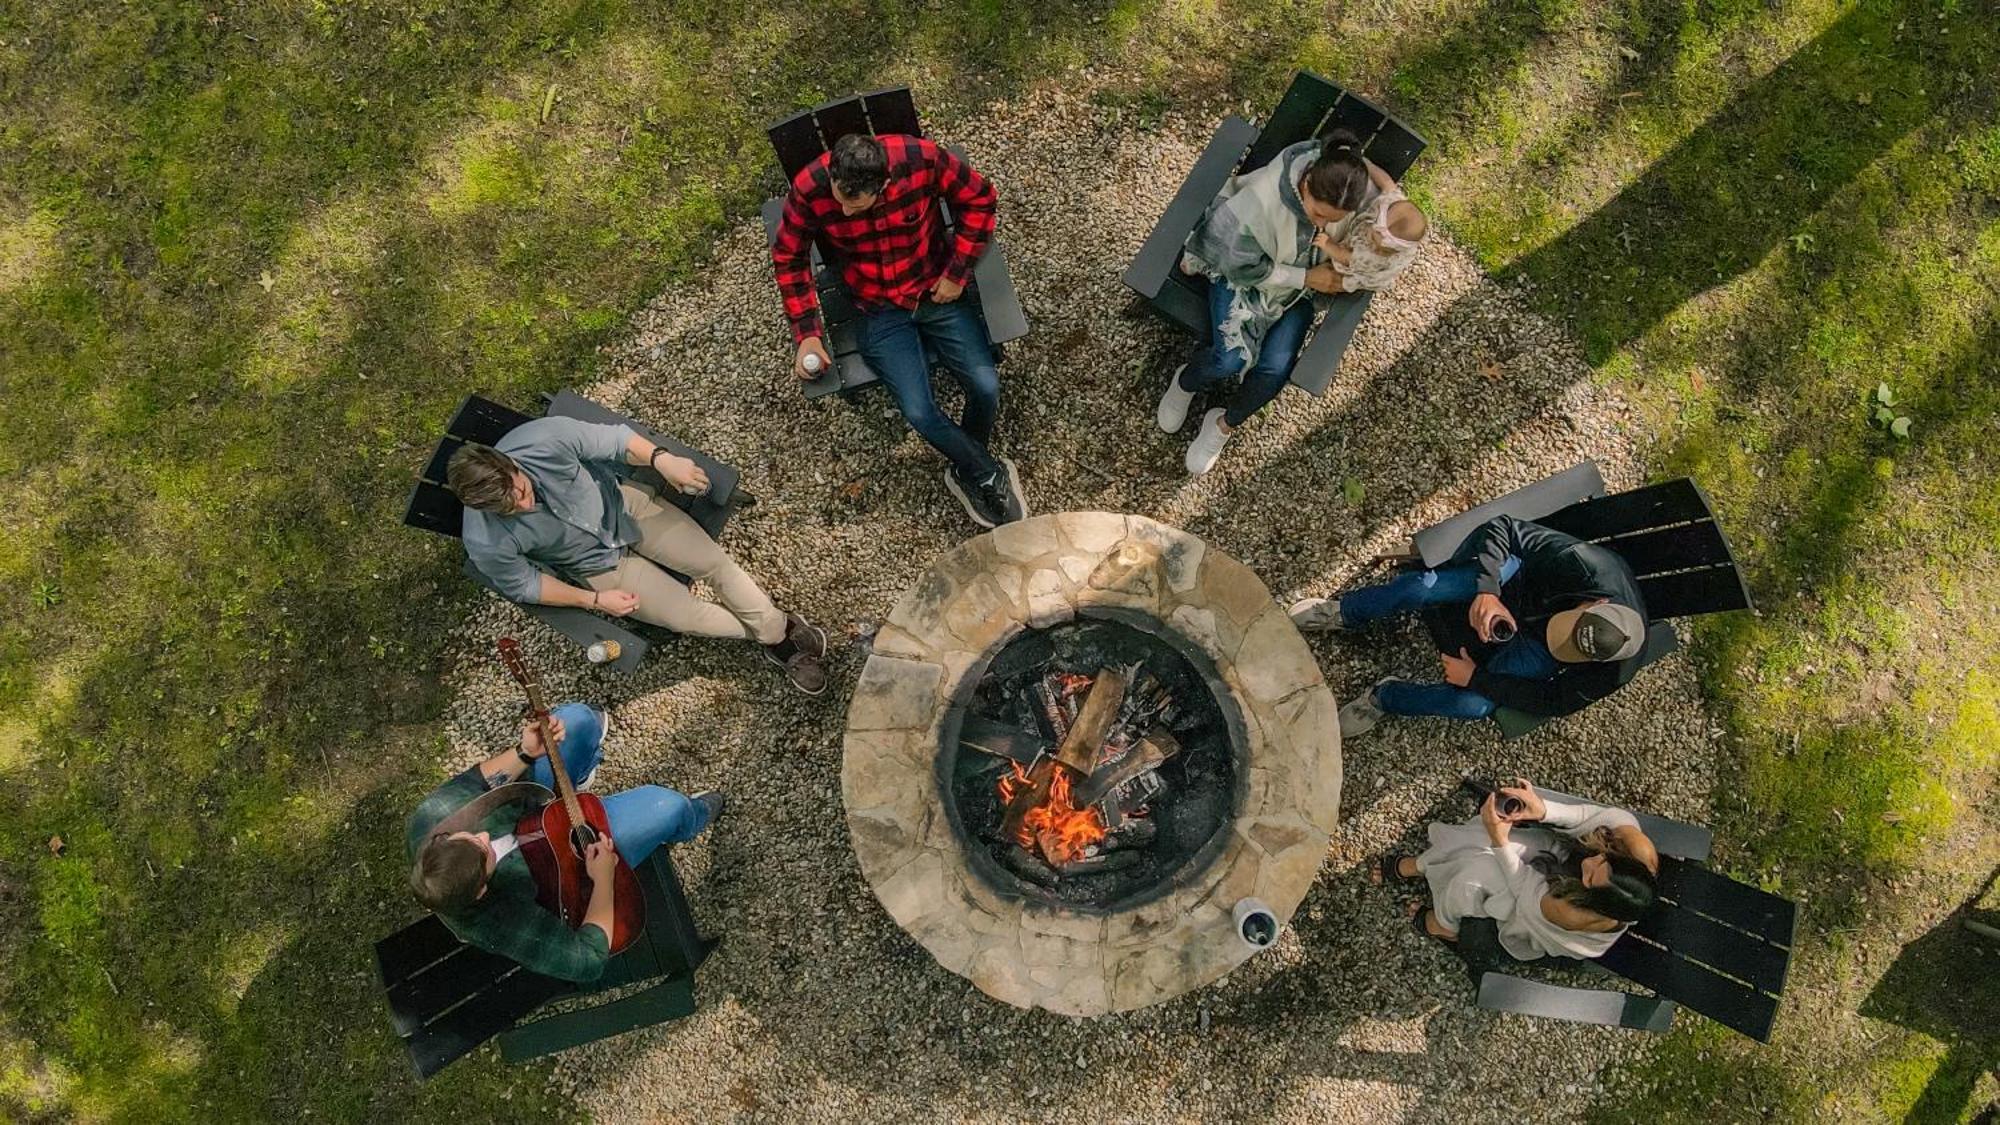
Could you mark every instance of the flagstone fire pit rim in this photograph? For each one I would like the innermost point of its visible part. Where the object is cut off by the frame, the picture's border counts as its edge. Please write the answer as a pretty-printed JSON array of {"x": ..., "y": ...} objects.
[{"x": 1039, "y": 572}]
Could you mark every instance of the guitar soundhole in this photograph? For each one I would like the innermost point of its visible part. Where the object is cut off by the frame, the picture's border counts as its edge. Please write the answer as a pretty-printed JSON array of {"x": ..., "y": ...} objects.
[{"x": 581, "y": 836}]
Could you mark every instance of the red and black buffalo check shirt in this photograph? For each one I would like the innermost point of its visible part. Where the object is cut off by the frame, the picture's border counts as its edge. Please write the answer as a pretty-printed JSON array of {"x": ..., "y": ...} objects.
[{"x": 892, "y": 253}]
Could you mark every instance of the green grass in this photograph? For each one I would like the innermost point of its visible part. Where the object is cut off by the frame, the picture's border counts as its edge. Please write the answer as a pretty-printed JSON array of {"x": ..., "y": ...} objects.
[{"x": 250, "y": 257}]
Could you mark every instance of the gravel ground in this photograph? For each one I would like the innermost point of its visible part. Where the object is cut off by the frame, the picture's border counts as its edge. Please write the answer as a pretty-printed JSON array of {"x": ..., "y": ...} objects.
[{"x": 817, "y": 1006}]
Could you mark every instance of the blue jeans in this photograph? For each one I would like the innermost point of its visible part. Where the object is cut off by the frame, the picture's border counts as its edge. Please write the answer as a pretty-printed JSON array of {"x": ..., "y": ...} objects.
[
  {"x": 641, "y": 818},
  {"x": 1213, "y": 362},
  {"x": 892, "y": 341},
  {"x": 1526, "y": 656}
]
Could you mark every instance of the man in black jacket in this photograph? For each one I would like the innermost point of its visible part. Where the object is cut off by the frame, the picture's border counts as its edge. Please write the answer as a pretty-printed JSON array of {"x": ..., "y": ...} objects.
[{"x": 1552, "y": 624}]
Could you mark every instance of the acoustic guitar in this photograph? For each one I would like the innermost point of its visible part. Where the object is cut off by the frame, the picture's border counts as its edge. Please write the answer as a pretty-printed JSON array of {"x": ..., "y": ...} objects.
[{"x": 552, "y": 838}]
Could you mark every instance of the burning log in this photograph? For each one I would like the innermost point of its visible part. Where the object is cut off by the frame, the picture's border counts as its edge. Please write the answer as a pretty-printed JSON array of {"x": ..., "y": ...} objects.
[
  {"x": 1136, "y": 832},
  {"x": 1133, "y": 795},
  {"x": 1029, "y": 866},
  {"x": 1086, "y": 736},
  {"x": 1146, "y": 755},
  {"x": 1002, "y": 740},
  {"x": 1098, "y": 864}
]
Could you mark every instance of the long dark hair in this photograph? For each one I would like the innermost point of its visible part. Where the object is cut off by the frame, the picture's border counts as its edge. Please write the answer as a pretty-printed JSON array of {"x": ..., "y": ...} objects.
[
  {"x": 1625, "y": 896},
  {"x": 1337, "y": 177}
]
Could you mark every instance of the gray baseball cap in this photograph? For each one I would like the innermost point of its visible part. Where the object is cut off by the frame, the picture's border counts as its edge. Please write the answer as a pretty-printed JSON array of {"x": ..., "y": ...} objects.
[{"x": 1607, "y": 631}]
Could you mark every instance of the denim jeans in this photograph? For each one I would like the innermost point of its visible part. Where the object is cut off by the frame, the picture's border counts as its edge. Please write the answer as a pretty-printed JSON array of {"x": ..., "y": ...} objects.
[
  {"x": 642, "y": 818},
  {"x": 892, "y": 341},
  {"x": 1213, "y": 362},
  {"x": 1526, "y": 656}
]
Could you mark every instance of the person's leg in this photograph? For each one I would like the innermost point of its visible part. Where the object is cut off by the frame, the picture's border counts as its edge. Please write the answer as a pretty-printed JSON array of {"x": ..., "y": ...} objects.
[
  {"x": 644, "y": 818},
  {"x": 1213, "y": 361},
  {"x": 665, "y": 602},
  {"x": 893, "y": 346},
  {"x": 582, "y": 742},
  {"x": 1273, "y": 368},
  {"x": 670, "y": 537},
  {"x": 1401, "y": 697},
  {"x": 959, "y": 336},
  {"x": 1453, "y": 583}
]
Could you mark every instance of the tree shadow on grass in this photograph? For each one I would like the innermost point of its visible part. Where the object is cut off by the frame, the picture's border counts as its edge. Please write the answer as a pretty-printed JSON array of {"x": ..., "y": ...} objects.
[{"x": 1946, "y": 984}]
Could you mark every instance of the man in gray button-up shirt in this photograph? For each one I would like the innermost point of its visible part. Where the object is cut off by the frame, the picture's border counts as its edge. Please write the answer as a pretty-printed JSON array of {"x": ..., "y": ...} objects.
[{"x": 551, "y": 517}]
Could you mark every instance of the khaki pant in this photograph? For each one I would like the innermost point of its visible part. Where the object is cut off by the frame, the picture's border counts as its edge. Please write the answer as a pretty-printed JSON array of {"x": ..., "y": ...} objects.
[{"x": 670, "y": 538}]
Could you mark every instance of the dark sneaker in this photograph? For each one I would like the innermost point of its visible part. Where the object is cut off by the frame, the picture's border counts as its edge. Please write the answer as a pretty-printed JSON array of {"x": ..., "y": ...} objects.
[
  {"x": 805, "y": 636},
  {"x": 985, "y": 502},
  {"x": 1015, "y": 504},
  {"x": 801, "y": 667},
  {"x": 712, "y": 801}
]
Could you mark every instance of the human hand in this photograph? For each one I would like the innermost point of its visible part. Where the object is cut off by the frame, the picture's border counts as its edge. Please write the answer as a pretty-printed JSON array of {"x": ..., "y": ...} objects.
[
  {"x": 1457, "y": 669},
  {"x": 1323, "y": 279},
  {"x": 1523, "y": 791},
  {"x": 600, "y": 860},
  {"x": 946, "y": 290},
  {"x": 1324, "y": 243},
  {"x": 617, "y": 603},
  {"x": 1486, "y": 610},
  {"x": 811, "y": 346},
  {"x": 1497, "y": 827},
  {"x": 531, "y": 736},
  {"x": 683, "y": 474}
]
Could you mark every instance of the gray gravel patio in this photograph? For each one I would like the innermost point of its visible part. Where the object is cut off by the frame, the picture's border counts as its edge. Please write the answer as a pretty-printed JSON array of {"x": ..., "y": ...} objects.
[{"x": 817, "y": 1007}]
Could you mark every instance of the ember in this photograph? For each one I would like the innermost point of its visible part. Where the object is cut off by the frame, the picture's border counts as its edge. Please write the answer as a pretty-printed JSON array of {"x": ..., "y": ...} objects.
[{"x": 1058, "y": 829}]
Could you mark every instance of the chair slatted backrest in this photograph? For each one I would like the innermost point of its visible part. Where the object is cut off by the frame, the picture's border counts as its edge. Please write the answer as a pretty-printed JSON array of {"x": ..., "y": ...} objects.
[
  {"x": 1668, "y": 534},
  {"x": 1312, "y": 105},
  {"x": 802, "y": 137},
  {"x": 431, "y": 506},
  {"x": 446, "y": 998},
  {"x": 1712, "y": 944}
]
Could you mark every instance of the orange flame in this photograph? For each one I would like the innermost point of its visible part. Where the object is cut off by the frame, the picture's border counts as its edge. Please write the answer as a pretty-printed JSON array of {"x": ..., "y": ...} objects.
[{"x": 1057, "y": 828}]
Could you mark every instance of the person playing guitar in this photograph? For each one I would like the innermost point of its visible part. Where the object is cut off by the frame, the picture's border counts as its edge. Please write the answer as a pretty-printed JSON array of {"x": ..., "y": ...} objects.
[{"x": 467, "y": 864}]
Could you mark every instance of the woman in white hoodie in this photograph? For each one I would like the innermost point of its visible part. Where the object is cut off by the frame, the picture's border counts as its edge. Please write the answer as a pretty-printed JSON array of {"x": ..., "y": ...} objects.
[
  {"x": 1560, "y": 879},
  {"x": 1317, "y": 219}
]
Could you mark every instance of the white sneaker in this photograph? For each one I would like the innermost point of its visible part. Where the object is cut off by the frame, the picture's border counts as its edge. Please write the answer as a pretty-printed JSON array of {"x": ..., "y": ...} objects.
[
  {"x": 1172, "y": 414},
  {"x": 1362, "y": 712},
  {"x": 1207, "y": 445},
  {"x": 1317, "y": 615}
]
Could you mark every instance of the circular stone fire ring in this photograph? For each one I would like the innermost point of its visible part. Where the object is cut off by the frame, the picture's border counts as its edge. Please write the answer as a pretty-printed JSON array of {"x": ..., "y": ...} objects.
[{"x": 930, "y": 656}]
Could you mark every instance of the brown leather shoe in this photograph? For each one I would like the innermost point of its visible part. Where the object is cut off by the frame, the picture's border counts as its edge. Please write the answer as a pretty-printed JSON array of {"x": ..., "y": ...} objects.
[
  {"x": 805, "y": 636},
  {"x": 801, "y": 667}
]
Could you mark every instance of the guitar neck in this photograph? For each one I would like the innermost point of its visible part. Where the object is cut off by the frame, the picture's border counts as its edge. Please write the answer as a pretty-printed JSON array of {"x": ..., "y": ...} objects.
[{"x": 565, "y": 789}]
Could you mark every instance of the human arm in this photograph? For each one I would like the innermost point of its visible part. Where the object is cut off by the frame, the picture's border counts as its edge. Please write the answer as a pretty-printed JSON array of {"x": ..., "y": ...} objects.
[
  {"x": 791, "y": 260},
  {"x": 554, "y": 591},
  {"x": 1504, "y": 537},
  {"x": 1571, "y": 689},
  {"x": 600, "y": 861},
  {"x": 1613, "y": 828},
  {"x": 974, "y": 207},
  {"x": 680, "y": 472},
  {"x": 509, "y": 764}
]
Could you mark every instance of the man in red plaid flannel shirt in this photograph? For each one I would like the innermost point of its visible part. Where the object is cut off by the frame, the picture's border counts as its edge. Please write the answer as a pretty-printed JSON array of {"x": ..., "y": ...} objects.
[{"x": 873, "y": 203}]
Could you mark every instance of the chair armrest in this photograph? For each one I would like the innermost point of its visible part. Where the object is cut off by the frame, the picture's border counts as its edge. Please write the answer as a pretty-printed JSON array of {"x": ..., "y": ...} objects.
[
  {"x": 998, "y": 302},
  {"x": 1314, "y": 368},
  {"x": 1500, "y": 992},
  {"x": 1162, "y": 248},
  {"x": 1580, "y": 481}
]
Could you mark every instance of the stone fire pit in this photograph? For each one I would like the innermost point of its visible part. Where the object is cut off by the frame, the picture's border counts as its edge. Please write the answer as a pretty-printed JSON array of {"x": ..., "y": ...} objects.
[{"x": 929, "y": 657}]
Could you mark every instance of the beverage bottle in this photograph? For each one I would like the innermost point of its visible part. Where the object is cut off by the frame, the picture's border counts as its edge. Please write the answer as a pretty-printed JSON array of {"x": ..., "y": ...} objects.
[
  {"x": 812, "y": 363},
  {"x": 601, "y": 652}
]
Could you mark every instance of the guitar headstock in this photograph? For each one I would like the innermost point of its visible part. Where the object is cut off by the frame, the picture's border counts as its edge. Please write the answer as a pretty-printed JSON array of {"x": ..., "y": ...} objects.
[{"x": 517, "y": 666}]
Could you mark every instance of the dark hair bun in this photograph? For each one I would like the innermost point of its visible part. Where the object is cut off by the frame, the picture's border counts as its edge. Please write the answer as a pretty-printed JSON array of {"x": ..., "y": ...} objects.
[{"x": 1340, "y": 139}]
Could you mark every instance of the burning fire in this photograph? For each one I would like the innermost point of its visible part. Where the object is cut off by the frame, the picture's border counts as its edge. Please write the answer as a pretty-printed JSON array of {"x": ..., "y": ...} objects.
[{"x": 1061, "y": 830}]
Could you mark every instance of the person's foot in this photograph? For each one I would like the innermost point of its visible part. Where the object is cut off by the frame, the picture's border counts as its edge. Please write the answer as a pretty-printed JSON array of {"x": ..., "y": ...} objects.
[
  {"x": 1318, "y": 615},
  {"x": 991, "y": 501},
  {"x": 1016, "y": 505},
  {"x": 805, "y": 636},
  {"x": 1425, "y": 922},
  {"x": 1173, "y": 411},
  {"x": 712, "y": 800},
  {"x": 1361, "y": 713},
  {"x": 1401, "y": 868},
  {"x": 1207, "y": 445},
  {"x": 802, "y": 668}
]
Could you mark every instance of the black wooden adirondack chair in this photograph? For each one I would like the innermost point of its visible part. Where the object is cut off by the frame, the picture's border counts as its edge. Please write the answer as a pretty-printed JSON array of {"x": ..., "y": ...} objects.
[
  {"x": 799, "y": 140},
  {"x": 432, "y": 507},
  {"x": 447, "y": 997},
  {"x": 1310, "y": 106},
  {"x": 1710, "y": 943},
  {"x": 1667, "y": 532}
]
